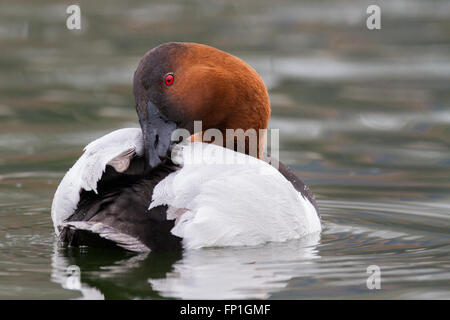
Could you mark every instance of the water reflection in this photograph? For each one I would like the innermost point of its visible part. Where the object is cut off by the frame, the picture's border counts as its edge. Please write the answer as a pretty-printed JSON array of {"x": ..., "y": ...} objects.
[
  {"x": 411, "y": 252},
  {"x": 110, "y": 274},
  {"x": 214, "y": 273}
]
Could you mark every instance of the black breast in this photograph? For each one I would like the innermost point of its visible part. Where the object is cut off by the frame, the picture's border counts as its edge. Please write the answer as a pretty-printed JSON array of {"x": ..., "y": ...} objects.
[{"x": 121, "y": 203}]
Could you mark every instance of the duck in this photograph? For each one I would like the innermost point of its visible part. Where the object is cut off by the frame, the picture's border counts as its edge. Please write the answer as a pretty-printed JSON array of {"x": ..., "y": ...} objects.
[{"x": 147, "y": 189}]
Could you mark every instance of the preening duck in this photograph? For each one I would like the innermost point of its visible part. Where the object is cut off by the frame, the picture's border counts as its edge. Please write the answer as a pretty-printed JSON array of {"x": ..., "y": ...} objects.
[{"x": 141, "y": 189}]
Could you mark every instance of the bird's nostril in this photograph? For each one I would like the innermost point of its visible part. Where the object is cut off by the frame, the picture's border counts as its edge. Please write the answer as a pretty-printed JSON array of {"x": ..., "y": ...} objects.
[{"x": 156, "y": 141}]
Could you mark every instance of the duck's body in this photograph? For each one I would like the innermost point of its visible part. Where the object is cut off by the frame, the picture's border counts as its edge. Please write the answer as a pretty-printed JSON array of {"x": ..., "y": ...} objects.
[
  {"x": 203, "y": 202},
  {"x": 119, "y": 193}
]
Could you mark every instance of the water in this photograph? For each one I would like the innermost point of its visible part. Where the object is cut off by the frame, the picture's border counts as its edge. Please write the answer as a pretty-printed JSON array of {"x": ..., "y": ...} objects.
[{"x": 364, "y": 118}]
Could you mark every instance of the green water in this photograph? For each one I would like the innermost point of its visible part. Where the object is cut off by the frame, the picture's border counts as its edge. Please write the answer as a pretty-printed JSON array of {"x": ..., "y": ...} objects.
[{"x": 364, "y": 119}]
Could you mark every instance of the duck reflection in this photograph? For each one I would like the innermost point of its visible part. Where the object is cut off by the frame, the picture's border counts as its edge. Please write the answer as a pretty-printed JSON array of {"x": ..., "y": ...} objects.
[
  {"x": 110, "y": 273},
  {"x": 213, "y": 273}
]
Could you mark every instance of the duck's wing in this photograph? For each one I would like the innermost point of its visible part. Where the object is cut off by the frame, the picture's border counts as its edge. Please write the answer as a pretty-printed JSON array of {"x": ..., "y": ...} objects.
[
  {"x": 118, "y": 215},
  {"x": 103, "y": 199},
  {"x": 225, "y": 198},
  {"x": 116, "y": 149},
  {"x": 290, "y": 175}
]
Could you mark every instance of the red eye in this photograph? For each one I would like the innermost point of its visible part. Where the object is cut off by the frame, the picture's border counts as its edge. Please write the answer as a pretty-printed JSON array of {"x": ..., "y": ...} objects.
[{"x": 169, "y": 79}]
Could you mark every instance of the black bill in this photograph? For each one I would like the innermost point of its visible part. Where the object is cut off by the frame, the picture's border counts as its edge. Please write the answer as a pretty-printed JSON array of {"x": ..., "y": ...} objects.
[{"x": 157, "y": 132}]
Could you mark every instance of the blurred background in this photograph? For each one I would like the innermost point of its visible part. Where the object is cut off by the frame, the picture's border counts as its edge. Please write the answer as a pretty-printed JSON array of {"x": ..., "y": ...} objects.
[{"x": 364, "y": 119}]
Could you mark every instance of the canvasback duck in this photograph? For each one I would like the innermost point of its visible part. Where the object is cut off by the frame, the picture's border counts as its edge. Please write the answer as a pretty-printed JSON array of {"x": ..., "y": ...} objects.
[{"x": 141, "y": 189}]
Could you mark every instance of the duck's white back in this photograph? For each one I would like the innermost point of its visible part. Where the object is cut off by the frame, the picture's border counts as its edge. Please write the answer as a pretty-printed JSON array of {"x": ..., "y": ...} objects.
[{"x": 225, "y": 198}]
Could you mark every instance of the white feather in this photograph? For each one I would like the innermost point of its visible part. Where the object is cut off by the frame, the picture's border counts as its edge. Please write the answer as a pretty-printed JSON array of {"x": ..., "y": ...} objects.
[
  {"x": 231, "y": 199},
  {"x": 89, "y": 168}
]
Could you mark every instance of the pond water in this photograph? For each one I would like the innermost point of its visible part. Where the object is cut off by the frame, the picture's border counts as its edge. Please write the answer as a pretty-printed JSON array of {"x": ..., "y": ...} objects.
[{"x": 364, "y": 119}]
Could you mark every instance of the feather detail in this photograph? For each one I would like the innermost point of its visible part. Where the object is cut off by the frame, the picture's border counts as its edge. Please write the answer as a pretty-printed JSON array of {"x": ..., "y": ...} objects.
[
  {"x": 114, "y": 149},
  {"x": 231, "y": 199}
]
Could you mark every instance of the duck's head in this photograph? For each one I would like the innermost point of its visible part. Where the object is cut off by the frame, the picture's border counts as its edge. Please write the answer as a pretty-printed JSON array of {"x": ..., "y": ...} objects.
[{"x": 177, "y": 83}]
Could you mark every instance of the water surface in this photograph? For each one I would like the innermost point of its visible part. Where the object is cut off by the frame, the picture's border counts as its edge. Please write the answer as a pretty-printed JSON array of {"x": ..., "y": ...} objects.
[{"x": 364, "y": 119}]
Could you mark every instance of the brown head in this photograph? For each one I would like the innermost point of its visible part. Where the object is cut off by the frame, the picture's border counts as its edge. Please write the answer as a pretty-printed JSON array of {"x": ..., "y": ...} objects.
[{"x": 178, "y": 83}]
